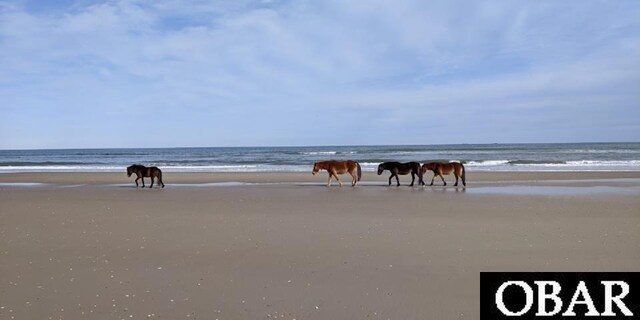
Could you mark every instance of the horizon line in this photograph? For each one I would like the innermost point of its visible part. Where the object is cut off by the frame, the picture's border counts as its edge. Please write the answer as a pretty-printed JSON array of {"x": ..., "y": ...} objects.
[{"x": 322, "y": 146}]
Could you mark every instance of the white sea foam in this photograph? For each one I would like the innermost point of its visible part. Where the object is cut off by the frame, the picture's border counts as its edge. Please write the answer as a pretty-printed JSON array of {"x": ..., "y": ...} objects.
[
  {"x": 313, "y": 153},
  {"x": 22, "y": 184},
  {"x": 487, "y": 163},
  {"x": 604, "y": 163}
]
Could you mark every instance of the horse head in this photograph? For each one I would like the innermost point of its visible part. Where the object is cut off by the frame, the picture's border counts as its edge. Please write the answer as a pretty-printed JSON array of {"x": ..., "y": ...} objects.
[
  {"x": 316, "y": 168},
  {"x": 380, "y": 168},
  {"x": 129, "y": 171}
]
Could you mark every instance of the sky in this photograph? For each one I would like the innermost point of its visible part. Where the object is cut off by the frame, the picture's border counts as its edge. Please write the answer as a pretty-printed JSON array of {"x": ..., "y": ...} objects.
[{"x": 152, "y": 73}]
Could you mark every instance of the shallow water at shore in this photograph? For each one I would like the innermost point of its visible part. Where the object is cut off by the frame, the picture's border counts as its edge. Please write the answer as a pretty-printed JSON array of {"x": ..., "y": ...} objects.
[{"x": 573, "y": 184}]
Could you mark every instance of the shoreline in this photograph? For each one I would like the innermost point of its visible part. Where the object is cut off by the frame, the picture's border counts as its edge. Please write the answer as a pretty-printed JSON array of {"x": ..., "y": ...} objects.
[{"x": 369, "y": 179}]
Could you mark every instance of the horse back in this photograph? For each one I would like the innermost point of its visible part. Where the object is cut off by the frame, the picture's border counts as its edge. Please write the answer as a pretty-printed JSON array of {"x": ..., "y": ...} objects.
[
  {"x": 407, "y": 167},
  {"x": 340, "y": 166},
  {"x": 436, "y": 167},
  {"x": 154, "y": 171},
  {"x": 449, "y": 168}
]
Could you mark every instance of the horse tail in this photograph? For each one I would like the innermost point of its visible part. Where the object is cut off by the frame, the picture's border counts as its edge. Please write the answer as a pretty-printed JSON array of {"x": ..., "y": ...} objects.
[
  {"x": 464, "y": 180},
  {"x": 160, "y": 174},
  {"x": 359, "y": 171}
]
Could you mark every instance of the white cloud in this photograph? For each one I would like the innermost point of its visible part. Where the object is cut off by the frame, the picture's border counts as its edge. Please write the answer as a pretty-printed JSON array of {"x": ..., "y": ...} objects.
[{"x": 261, "y": 65}]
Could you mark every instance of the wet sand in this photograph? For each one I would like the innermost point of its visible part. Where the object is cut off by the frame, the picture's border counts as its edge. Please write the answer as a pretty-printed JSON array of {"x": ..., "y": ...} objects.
[{"x": 264, "y": 246}]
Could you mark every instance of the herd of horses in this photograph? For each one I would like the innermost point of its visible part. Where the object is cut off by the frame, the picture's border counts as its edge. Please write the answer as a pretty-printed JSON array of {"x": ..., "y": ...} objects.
[{"x": 335, "y": 168}]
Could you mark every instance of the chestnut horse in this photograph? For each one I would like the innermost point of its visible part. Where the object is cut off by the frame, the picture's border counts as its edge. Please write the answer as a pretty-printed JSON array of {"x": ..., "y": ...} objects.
[
  {"x": 142, "y": 171},
  {"x": 441, "y": 168},
  {"x": 334, "y": 168},
  {"x": 398, "y": 168}
]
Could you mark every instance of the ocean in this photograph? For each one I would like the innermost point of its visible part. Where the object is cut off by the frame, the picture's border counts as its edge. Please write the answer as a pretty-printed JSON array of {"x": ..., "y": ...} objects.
[{"x": 478, "y": 157}]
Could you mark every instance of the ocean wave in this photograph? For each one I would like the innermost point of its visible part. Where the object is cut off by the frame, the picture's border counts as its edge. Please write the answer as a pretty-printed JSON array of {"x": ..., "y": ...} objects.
[
  {"x": 604, "y": 163},
  {"x": 58, "y": 168},
  {"x": 39, "y": 163},
  {"x": 316, "y": 153},
  {"x": 599, "y": 151},
  {"x": 518, "y": 157},
  {"x": 536, "y": 162},
  {"x": 555, "y": 163},
  {"x": 487, "y": 163}
]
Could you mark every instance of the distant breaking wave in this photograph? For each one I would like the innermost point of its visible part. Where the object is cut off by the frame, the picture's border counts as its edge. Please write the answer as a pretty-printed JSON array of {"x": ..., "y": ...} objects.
[
  {"x": 552, "y": 163},
  {"x": 315, "y": 153}
]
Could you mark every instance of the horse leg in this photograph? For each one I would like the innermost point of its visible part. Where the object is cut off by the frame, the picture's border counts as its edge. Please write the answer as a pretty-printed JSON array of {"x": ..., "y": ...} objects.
[
  {"x": 456, "y": 184},
  {"x": 151, "y": 182},
  {"x": 354, "y": 180},
  {"x": 413, "y": 179},
  {"x": 137, "y": 181},
  {"x": 390, "y": 177},
  {"x": 442, "y": 177},
  {"x": 434, "y": 177},
  {"x": 338, "y": 178},
  {"x": 329, "y": 182},
  {"x": 142, "y": 178},
  {"x": 397, "y": 180}
]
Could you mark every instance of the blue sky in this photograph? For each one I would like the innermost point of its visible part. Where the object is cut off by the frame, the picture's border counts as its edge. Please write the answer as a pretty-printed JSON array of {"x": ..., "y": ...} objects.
[{"x": 138, "y": 73}]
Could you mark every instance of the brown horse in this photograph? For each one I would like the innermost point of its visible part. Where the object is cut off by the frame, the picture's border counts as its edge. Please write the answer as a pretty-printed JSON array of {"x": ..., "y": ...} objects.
[
  {"x": 398, "y": 168},
  {"x": 142, "y": 172},
  {"x": 441, "y": 168},
  {"x": 334, "y": 168}
]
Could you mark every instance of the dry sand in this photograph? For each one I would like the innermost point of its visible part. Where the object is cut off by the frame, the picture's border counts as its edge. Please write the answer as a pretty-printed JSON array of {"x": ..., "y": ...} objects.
[{"x": 90, "y": 246}]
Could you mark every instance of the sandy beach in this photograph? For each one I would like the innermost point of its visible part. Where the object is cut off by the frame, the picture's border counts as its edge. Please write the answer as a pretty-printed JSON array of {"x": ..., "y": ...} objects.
[{"x": 274, "y": 245}]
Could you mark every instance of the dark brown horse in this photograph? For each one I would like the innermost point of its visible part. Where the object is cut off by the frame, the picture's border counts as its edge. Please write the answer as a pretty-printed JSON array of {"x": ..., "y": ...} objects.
[
  {"x": 142, "y": 172},
  {"x": 441, "y": 168},
  {"x": 398, "y": 168},
  {"x": 334, "y": 168}
]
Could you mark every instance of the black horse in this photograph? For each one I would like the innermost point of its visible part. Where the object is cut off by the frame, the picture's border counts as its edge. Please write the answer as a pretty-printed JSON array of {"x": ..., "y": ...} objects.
[
  {"x": 142, "y": 171},
  {"x": 398, "y": 168}
]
